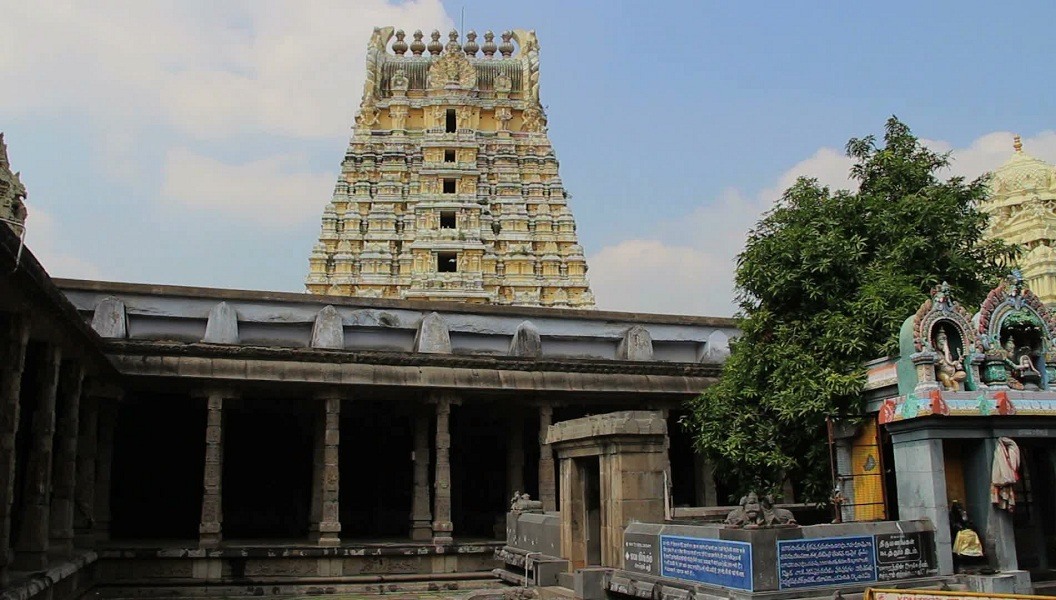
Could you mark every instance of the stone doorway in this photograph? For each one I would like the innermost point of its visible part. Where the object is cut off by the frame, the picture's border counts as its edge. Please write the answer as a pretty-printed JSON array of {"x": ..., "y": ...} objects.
[
  {"x": 1033, "y": 521},
  {"x": 613, "y": 468},
  {"x": 590, "y": 496}
]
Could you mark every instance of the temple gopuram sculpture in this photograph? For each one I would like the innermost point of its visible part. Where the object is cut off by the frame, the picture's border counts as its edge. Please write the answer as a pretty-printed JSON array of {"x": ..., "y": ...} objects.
[
  {"x": 12, "y": 193},
  {"x": 449, "y": 189}
]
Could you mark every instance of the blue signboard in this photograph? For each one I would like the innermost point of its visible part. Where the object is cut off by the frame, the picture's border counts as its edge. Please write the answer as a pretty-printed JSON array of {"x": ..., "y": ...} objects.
[
  {"x": 825, "y": 561},
  {"x": 717, "y": 562}
]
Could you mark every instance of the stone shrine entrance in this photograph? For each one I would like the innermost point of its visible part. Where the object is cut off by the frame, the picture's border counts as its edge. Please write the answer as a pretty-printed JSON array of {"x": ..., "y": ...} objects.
[{"x": 612, "y": 472}]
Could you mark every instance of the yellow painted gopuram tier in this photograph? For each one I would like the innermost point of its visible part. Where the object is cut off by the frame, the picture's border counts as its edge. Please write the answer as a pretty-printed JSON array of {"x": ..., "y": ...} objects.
[
  {"x": 449, "y": 189},
  {"x": 1022, "y": 209}
]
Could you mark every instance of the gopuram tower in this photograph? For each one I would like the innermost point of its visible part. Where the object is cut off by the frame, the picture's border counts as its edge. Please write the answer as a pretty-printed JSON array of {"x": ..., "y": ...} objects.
[
  {"x": 449, "y": 189},
  {"x": 1022, "y": 209}
]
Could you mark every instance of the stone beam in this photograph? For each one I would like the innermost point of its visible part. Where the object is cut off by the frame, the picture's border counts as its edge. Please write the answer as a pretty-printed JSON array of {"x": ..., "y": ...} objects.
[{"x": 475, "y": 375}]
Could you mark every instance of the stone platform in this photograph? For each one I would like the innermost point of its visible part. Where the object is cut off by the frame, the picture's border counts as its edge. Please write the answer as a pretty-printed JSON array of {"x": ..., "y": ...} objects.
[{"x": 276, "y": 563}]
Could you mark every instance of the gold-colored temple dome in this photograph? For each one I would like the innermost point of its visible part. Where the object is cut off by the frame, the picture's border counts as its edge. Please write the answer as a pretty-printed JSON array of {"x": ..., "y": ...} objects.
[
  {"x": 1022, "y": 173},
  {"x": 1022, "y": 209}
]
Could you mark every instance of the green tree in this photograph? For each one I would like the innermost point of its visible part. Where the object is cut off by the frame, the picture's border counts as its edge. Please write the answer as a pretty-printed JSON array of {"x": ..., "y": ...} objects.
[{"x": 824, "y": 282}]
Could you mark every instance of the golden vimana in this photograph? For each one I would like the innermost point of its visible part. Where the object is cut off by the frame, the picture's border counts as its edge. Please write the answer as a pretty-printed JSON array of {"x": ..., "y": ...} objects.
[
  {"x": 1022, "y": 209},
  {"x": 449, "y": 189}
]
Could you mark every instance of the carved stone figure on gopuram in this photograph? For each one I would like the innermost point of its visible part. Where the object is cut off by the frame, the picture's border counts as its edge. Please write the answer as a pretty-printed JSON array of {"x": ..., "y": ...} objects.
[{"x": 449, "y": 189}]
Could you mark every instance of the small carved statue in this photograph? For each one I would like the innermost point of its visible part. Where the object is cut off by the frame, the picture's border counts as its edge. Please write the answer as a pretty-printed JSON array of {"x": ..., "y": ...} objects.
[
  {"x": 503, "y": 83},
  {"x": 524, "y": 503},
  {"x": 748, "y": 514},
  {"x": 949, "y": 368},
  {"x": 534, "y": 119},
  {"x": 754, "y": 513},
  {"x": 776, "y": 517},
  {"x": 368, "y": 114},
  {"x": 1024, "y": 375},
  {"x": 503, "y": 115},
  {"x": 399, "y": 83}
]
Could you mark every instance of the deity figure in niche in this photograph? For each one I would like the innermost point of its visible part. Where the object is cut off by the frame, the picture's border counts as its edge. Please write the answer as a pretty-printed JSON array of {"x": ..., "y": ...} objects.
[
  {"x": 949, "y": 367},
  {"x": 1023, "y": 374}
]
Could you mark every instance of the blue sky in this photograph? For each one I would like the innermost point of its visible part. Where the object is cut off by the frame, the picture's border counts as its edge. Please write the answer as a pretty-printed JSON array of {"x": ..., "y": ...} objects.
[{"x": 198, "y": 144}]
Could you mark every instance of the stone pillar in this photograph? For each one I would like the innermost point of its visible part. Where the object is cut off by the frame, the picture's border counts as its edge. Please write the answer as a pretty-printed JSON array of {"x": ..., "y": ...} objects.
[
  {"x": 64, "y": 479},
  {"x": 515, "y": 455},
  {"x": 443, "y": 530},
  {"x": 31, "y": 549},
  {"x": 104, "y": 461},
  {"x": 210, "y": 531},
  {"x": 421, "y": 517},
  {"x": 547, "y": 483},
  {"x": 84, "y": 494},
  {"x": 12, "y": 362},
  {"x": 325, "y": 528},
  {"x": 921, "y": 480}
]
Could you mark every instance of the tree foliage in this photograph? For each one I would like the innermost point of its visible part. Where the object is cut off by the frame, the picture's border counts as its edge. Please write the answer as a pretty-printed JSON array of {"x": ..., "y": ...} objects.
[{"x": 824, "y": 282}]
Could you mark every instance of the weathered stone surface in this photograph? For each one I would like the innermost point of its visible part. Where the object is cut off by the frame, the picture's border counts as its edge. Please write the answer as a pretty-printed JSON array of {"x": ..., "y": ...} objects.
[
  {"x": 628, "y": 422},
  {"x": 328, "y": 330},
  {"x": 526, "y": 341},
  {"x": 109, "y": 320},
  {"x": 636, "y": 344},
  {"x": 432, "y": 336},
  {"x": 32, "y": 544},
  {"x": 12, "y": 364},
  {"x": 222, "y": 327}
]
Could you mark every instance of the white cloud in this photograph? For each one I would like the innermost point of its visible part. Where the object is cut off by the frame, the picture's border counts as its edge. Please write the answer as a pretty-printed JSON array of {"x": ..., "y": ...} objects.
[
  {"x": 697, "y": 278},
  {"x": 211, "y": 70},
  {"x": 275, "y": 191},
  {"x": 45, "y": 240},
  {"x": 649, "y": 275}
]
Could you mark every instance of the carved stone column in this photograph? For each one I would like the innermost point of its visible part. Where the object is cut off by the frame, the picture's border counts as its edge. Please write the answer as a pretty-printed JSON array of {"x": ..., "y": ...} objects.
[
  {"x": 547, "y": 479},
  {"x": 210, "y": 530},
  {"x": 87, "y": 451},
  {"x": 31, "y": 549},
  {"x": 325, "y": 528},
  {"x": 104, "y": 461},
  {"x": 64, "y": 479},
  {"x": 443, "y": 529},
  {"x": 515, "y": 455},
  {"x": 12, "y": 362},
  {"x": 421, "y": 517}
]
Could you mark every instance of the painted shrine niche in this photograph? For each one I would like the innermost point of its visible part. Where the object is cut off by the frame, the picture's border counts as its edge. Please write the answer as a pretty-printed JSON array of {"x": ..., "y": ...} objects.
[
  {"x": 943, "y": 345},
  {"x": 1015, "y": 336}
]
